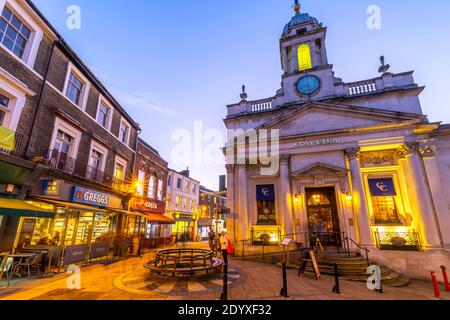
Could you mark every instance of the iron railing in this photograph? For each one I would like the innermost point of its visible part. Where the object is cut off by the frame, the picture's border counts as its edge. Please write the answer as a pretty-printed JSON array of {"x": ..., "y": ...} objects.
[
  {"x": 400, "y": 241},
  {"x": 62, "y": 162}
]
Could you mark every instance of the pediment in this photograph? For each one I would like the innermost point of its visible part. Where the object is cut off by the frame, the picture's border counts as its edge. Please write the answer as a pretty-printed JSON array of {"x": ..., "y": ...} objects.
[
  {"x": 319, "y": 169},
  {"x": 321, "y": 117}
]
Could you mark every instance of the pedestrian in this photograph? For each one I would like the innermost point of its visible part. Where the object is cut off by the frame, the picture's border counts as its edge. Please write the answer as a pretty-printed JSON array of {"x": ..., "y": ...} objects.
[
  {"x": 211, "y": 238},
  {"x": 225, "y": 244}
]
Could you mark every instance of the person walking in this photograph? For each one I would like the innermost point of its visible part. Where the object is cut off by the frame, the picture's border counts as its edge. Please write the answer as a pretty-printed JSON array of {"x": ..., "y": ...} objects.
[
  {"x": 225, "y": 244},
  {"x": 211, "y": 238}
]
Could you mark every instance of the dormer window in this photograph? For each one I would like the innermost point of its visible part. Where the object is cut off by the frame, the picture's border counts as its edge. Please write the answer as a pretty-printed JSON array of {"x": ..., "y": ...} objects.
[{"x": 14, "y": 34}]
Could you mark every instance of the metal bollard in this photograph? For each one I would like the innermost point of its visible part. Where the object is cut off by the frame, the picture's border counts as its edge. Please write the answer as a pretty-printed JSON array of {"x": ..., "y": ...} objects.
[
  {"x": 437, "y": 292},
  {"x": 336, "y": 288},
  {"x": 284, "y": 290},
  {"x": 224, "y": 296},
  {"x": 444, "y": 274}
]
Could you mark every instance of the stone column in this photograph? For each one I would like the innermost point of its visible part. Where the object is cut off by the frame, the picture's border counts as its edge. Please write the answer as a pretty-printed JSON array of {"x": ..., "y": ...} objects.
[
  {"x": 242, "y": 206},
  {"x": 285, "y": 191},
  {"x": 231, "y": 224},
  {"x": 427, "y": 151},
  {"x": 359, "y": 198},
  {"x": 421, "y": 197}
]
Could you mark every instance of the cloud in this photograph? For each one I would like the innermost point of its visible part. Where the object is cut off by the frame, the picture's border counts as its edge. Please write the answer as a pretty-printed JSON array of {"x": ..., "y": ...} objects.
[{"x": 142, "y": 101}]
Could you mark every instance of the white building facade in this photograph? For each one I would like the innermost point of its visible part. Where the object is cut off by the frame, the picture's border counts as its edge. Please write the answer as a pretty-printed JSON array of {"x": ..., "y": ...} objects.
[
  {"x": 182, "y": 204},
  {"x": 356, "y": 160}
]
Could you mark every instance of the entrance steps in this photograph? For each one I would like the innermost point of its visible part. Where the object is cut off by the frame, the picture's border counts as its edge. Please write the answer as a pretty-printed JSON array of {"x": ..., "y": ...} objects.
[{"x": 353, "y": 267}]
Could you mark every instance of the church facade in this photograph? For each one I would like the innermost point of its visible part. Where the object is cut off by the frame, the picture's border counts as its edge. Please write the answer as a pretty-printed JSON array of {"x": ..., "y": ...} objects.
[{"x": 356, "y": 160}]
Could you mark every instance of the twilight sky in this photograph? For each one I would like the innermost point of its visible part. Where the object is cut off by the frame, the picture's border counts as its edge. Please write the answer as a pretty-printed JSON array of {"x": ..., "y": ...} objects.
[{"x": 172, "y": 63}]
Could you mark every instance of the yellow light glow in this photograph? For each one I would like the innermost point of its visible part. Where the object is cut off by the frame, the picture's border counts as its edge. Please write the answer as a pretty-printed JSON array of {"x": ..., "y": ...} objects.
[
  {"x": 304, "y": 57},
  {"x": 349, "y": 197}
]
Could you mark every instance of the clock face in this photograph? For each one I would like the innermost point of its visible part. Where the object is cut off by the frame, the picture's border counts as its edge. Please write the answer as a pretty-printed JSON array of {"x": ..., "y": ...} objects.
[{"x": 308, "y": 85}]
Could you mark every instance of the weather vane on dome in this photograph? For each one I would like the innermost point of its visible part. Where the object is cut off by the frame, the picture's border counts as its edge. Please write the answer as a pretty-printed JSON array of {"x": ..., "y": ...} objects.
[{"x": 297, "y": 6}]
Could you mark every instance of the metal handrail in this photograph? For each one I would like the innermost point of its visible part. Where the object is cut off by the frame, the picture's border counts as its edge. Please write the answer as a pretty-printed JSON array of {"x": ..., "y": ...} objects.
[{"x": 347, "y": 239}]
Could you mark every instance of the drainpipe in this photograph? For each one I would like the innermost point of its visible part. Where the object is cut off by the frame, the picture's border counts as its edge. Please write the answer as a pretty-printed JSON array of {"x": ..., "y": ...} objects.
[{"x": 41, "y": 93}]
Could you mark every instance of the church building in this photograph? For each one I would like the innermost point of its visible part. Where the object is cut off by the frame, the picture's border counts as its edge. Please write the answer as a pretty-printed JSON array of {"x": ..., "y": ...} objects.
[{"x": 357, "y": 161}]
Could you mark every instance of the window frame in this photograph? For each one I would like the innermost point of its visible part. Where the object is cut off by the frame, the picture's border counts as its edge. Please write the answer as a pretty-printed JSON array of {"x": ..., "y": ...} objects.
[
  {"x": 97, "y": 146},
  {"x": 121, "y": 161},
  {"x": 68, "y": 128},
  {"x": 37, "y": 33},
  {"x": 151, "y": 187},
  {"x": 123, "y": 121},
  {"x": 159, "y": 190},
  {"x": 108, "y": 105},
  {"x": 82, "y": 103}
]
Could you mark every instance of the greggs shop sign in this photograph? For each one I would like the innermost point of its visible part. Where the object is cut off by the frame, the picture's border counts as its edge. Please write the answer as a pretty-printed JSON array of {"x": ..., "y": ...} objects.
[
  {"x": 90, "y": 197},
  {"x": 142, "y": 205}
]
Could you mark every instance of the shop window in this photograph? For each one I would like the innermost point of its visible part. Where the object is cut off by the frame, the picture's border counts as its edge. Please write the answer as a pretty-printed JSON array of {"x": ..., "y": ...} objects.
[
  {"x": 304, "y": 57},
  {"x": 385, "y": 210}
]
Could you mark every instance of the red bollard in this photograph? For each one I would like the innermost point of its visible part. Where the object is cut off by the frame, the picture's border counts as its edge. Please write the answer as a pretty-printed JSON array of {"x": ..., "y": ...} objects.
[
  {"x": 437, "y": 292},
  {"x": 444, "y": 274}
]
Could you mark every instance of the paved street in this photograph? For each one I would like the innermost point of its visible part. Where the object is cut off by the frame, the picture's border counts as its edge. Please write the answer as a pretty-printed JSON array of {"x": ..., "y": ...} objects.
[{"x": 128, "y": 280}]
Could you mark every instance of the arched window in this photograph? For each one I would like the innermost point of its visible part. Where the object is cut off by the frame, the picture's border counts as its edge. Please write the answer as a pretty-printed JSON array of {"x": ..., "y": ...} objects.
[{"x": 304, "y": 57}]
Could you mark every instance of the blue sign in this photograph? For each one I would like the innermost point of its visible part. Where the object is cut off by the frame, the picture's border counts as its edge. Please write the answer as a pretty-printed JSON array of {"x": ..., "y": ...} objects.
[
  {"x": 382, "y": 187},
  {"x": 265, "y": 193},
  {"x": 90, "y": 197}
]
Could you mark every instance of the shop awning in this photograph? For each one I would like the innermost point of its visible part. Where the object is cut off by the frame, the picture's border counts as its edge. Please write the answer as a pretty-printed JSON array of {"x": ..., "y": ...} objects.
[
  {"x": 129, "y": 213},
  {"x": 72, "y": 206},
  {"x": 159, "y": 218},
  {"x": 19, "y": 208}
]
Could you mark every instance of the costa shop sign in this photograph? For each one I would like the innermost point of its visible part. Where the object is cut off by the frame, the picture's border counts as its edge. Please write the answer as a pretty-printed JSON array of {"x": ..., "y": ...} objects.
[
  {"x": 90, "y": 197},
  {"x": 147, "y": 206}
]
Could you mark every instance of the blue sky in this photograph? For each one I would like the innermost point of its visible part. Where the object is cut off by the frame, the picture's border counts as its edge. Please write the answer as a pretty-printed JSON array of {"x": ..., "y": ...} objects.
[{"x": 171, "y": 63}]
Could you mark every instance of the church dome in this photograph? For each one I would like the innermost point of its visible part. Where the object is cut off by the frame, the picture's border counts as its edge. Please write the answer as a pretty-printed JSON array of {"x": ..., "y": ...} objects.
[{"x": 298, "y": 19}]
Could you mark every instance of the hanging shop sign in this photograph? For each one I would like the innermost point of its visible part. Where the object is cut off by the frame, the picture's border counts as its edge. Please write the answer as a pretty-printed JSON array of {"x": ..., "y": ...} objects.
[
  {"x": 90, "y": 197},
  {"x": 265, "y": 192},
  {"x": 143, "y": 205},
  {"x": 382, "y": 187},
  {"x": 52, "y": 187},
  {"x": 181, "y": 216},
  {"x": 317, "y": 142}
]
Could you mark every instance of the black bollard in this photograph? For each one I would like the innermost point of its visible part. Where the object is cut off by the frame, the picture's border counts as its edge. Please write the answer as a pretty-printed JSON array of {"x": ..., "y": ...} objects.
[
  {"x": 224, "y": 296},
  {"x": 284, "y": 290},
  {"x": 336, "y": 288}
]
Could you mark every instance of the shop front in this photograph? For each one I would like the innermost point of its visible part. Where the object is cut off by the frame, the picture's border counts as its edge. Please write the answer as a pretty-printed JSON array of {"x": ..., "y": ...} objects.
[
  {"x": 204, "y": 224},
  {"x": 184, "y": 228},
  {"x": 82, "y": 216},
  {"x": 157, "y": 226}
]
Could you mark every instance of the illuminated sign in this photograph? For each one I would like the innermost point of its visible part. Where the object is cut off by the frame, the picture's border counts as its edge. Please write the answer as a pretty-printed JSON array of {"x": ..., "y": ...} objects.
[
  {"x": 265, "y": 193},
  {"x": 143, "y": 205},
  {"x": 318, "y": 142},
  {"x": 90, "y": 197},
  {"x": 51, "y": 187},
  {"x": 382, "y": 187}
]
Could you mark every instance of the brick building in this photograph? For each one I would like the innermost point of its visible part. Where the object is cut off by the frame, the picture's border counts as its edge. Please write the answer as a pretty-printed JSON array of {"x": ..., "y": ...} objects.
[
  {"x": 67, "y": 146},
  {"x": 150, "y": 174},
  {"x": 213, "y": 208}
]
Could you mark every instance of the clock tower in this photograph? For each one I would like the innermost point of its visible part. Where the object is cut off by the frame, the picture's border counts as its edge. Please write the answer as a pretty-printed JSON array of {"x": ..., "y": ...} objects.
[{"x": 306, "y": 72}]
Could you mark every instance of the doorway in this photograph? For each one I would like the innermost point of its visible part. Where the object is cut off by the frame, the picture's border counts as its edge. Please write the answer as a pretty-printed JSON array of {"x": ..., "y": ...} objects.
[{"x": 323, "y": 218}]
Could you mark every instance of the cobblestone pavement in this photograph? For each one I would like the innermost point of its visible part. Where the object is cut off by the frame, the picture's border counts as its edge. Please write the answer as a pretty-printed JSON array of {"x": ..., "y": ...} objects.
[{"x": 128, "y": 280}]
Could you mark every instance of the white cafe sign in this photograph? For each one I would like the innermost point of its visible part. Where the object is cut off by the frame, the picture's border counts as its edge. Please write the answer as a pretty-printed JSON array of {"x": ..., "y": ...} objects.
[{"x": 318, "y": 142}]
